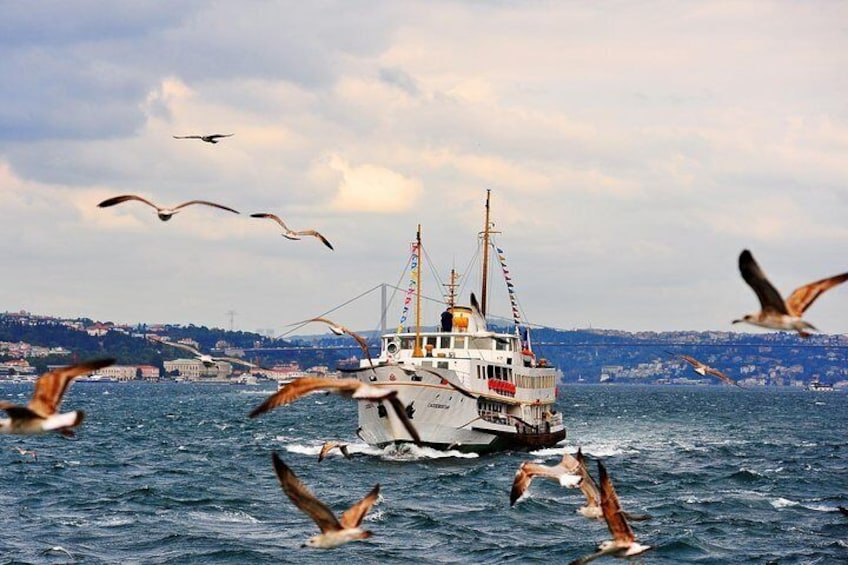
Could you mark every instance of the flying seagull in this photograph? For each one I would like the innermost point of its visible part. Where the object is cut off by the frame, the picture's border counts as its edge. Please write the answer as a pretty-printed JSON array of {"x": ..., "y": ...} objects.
[
  {"x": 291, "y": 234},
  {"x": 703, "y": 370},
  {"x": 351, "y": 388},
  {"x": 205, "y": 358},
  {"x": 164, "y": 214},
  {"x": 339, "y": 329},
  {"x": 41, "y": 414},
  {"x": 331, "y": 445},
  {"x": 213, "y": 138},
  {"x": 565, "y": 473},
  {"x": 593, "y": 495},
  {"x": 589, "y": 487},
  {"x": 776, "y": 313},
  {"x": 24, "y": 452},
  {"x": 623, "y": 542},
  {"x": 334, "y": 531}
]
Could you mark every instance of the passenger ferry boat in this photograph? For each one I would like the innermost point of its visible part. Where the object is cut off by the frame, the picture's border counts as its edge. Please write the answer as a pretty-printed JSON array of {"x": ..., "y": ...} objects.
[{"x": 464, "y": 386}]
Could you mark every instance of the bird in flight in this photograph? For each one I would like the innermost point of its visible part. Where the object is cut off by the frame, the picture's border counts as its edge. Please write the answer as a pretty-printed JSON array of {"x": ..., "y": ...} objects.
[
  {"x": 24, "y": 452},
  {"x": 351, "y": 388},
  {"x": 623, "y": 542},
  {"x": 776, "y": 313},
  {"x": 289, "y": 233},
  {"x": 331, "y": 445},
  {"x": 703, "y": 370},
  {"x": 339, "y": 329},
  {"x": 206, "y": 359},
  {"x": 164, "y": 214},
  {"x": 41, "y": 414},
  {"x": 213, "y": 138},
  {"x": 565, "y": 473},
  {"x": 334, "y": 531},
  {"x": 590, "y": 490}
]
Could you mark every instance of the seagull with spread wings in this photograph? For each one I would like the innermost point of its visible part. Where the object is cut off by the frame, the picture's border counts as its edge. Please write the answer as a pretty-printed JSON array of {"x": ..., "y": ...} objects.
[
  {"x": 205, "y": 358},
  {"x": 350, "y": 388},
  {"x": 334, "y": 531},
  {"x": 24, "y": 452},
  {"x": 164, "y": 214},
  {"x": 703, "y": 370},
  {"x": 776, "y": 313},
  {"x": 42, "y": 415},
  {"x": 339, "y": 329},
  {"x": 623, "y": 542},
  {"x": 212, "y": 138},
  {"x": 331, "y": 445},
  {"x": 565, "y": 473},
  {"x": 289, "y": 233},
  {"x": 590, "y": 490}
]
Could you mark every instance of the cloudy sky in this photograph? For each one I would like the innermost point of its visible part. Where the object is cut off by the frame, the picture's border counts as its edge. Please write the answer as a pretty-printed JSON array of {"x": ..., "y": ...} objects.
[{"x": 633, "y": 149}]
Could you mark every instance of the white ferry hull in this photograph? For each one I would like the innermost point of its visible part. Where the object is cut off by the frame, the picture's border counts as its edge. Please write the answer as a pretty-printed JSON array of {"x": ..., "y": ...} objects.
[{"x": 444, "y": 417}]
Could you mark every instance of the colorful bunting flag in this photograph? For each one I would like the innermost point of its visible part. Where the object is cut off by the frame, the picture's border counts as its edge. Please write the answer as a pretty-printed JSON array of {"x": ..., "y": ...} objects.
[
  {"x": 413, "y": 277},
  {"x": 510, "y": 288}
]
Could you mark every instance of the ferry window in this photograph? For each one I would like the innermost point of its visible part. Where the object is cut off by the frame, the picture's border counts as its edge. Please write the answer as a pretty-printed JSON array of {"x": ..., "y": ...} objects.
[
  {"x": 501, "y": 346},
  {"x": 407, "y": 342},
  {"x": 431, "y": 340},
  {"x": 484, "y": 343},
  {"x": 490, "y": 371},
  {"x": 459, "y": 342},
  {"x": 442, "y": 364}
]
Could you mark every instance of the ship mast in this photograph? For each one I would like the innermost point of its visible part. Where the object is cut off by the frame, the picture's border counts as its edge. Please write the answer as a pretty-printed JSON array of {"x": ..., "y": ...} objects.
[
  {"x": 486, "y": 226},
  {"x": 417, "y": 352},
  {"x": 451, "y": 289}
]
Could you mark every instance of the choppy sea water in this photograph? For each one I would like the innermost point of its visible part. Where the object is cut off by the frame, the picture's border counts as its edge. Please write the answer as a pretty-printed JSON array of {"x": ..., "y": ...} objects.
[{"x": 175, "y": 473}]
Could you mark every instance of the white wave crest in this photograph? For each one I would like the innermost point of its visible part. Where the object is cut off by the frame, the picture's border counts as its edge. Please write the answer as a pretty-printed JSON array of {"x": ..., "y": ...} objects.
[
  {"x": 783, "y": 503},
  {"x": 411, "y": 452},
  {"x": 603, "y": 450},
  {"x": 224, "y": 516}
]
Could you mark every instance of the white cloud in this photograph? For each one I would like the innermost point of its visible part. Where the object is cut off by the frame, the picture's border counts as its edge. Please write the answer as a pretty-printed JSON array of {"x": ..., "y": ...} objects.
[{"x": 372, "y": 188}]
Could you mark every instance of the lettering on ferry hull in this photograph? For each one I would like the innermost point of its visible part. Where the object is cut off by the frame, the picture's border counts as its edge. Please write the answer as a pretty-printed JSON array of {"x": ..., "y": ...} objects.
[{"x": 439, "y": 406}]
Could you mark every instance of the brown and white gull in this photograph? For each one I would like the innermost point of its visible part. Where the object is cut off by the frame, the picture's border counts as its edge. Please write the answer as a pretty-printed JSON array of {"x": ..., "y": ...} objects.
[
  {"x": 164, "y": 214},
  {"x": 776, "y": 313},
  {"x": 589, "y": 488},
  {"x": 24, "y": 452},
  {"x": 350, "y": 388},
  {"x": 334, "y": 531},
  {"x": 703, "y": 370},
  {"x": 565, "y": 473},
  {"x": 42, "y": 415},
  {"x": 212, "y": 138},
  {"x": 289, "y": 233},
  {"x": 331, "y": 445},
  {"x": 623, "y": 542},
  {"x": 339, "y": 329},
  {"x": 205, "y": 358}
]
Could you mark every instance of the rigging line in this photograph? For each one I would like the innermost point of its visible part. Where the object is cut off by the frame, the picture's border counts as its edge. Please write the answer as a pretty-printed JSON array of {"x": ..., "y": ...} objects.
[
  {"x": 467, "y": 279},
  {"x": 299, "y": 325},
  {"x": 434, "y": 272},
  {"x": 514, "y": 294},
  {"x": 395, "y": 288},
  {"x": 423, "y": 297}
]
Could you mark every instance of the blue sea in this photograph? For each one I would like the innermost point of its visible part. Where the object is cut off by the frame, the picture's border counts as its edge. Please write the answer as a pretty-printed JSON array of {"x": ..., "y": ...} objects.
[{"x": 177, "y": 473}]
